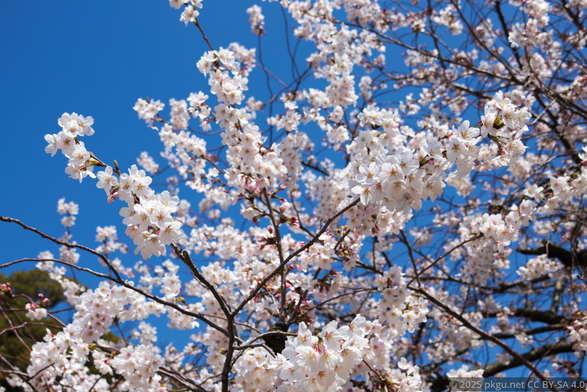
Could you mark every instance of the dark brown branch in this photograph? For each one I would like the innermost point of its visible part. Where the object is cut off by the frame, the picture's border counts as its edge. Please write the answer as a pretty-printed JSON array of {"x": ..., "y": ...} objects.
[
  {"x": 295, "y": 254},
  {"x": 530, "y": 356},
  {"x": 554, "y": 250},
  {"x": 520, "y": 360},
  {"x": 548, "y": 317},
  {"x": 67, "y": 244}
]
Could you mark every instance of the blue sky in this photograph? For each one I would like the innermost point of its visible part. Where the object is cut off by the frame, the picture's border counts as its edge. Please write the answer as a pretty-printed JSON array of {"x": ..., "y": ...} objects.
[{"x": 95, "y": 58}]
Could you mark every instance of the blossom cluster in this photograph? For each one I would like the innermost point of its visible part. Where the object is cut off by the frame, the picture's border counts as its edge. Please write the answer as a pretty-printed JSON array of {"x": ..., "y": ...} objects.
[
  {"x": 148, "y": 217},
  {"x": 35, "y": 312},
  {"x": 68, "y": 350},
  {"x": 538, "y": 266},
  {"x": 81, "y": 162},
  {"x": 322, "y": 362},
  {"x": 578, "y": 333},
  {"x": 401, "y": 178},
  {"x": 322, "y": 236},
  {"x": 256, "y": 19}
]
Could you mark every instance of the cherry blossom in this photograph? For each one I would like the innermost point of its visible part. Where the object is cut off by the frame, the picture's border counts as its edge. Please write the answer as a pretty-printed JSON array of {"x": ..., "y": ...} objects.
[{"x": 407, "y": 208}]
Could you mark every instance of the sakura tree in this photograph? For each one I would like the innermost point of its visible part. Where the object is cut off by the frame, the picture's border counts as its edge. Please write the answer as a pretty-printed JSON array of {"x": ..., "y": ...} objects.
[{"x": 408, "y": 208}]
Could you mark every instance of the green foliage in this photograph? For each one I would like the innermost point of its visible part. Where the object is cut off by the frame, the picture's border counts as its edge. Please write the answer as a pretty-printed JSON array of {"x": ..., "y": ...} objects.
[
  {"x": 16, "y": 329},
  {"x": 12, "y": 334},
  {"x": 33, "y": 283}
]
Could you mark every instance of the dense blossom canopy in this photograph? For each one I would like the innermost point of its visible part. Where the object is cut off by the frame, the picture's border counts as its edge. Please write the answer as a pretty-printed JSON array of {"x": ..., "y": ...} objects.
[{"x": 375, "y": 224}]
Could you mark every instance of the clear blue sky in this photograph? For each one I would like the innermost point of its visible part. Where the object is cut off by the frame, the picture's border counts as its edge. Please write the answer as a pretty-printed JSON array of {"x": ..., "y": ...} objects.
[{"x": 94, "y": 58}]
